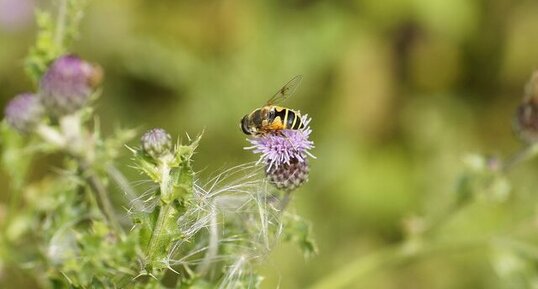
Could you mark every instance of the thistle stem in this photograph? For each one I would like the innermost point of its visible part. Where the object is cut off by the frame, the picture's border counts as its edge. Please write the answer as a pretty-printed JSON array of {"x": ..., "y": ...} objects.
[
  {"x": 284, "y": 201},
  {"x": 391, "y": 256},
  {"x": 525, "y": 153},
  {"x": 165, "y": 211},
  {"x": 58, "y": 139},
  {"x": 60, "y": 24},
  {"x": 101, "y": 195},
  {"x": 123, "y": 183},
  {"x": 158, "y": 231},
  {"x": 51, "y": 136},
  {"x": 213, "y": 246}
]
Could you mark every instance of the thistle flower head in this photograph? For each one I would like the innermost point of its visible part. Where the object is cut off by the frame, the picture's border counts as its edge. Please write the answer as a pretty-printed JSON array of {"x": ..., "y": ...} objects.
[
  {"x": 284, "y": 154},
  {"x": 526, "y": 121},
  {"x": 526, "y": 118},
  {"x": 24, "y": 112},
  {"x": 156, "y": 143},
  {"x": 289, "y": 176},
  {"x": 68, "y": 84}
]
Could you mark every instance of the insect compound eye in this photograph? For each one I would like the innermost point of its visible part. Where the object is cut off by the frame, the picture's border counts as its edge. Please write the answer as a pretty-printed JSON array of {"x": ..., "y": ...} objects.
[{"x": 244, "y": 125}]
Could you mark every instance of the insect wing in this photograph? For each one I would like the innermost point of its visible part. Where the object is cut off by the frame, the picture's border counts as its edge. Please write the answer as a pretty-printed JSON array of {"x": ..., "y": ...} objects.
[{"x": 286, "y": 91}]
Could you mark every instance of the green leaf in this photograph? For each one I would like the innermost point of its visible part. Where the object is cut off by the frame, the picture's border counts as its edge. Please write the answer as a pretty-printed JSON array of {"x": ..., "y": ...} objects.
[
  {"x": 481, "y": 179},
  {"x": 54, "y": 37},
  {"x": 299, "y": 231},
  {"x": 196, "y": 283},
  {"x": 74, "y": 15},
  {"x": 16, "y": 155},
  {"x": 45, "y": 49}
]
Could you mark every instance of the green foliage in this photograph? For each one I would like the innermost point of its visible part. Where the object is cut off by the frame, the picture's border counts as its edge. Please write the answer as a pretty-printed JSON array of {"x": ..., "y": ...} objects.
[
  {"x": 54, "y": 37},
  {"x": 398, "y": 92},
  {"x": 515, "y": 263},
  {"x": 74, "y": 13},
  {"x": 299, "y": 231},
  {"x": 482, "y": 178},
  {"x": 45, "y": 49},
  {"x": 66, "y": 229},
  {"x": 15, "y": 155}
]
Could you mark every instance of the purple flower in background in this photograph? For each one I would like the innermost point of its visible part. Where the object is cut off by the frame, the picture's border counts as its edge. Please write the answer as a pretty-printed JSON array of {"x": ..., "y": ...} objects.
[
  {"x": 16, "y": 14},
  {"x": 24, "y": 112},
  {"x": 284, "y": 153},
  {"x": 68, "y": 84}
]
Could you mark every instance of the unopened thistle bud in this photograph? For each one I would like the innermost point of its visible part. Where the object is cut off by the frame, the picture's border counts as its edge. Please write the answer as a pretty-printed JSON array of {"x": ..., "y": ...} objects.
[
  {"x": 284, "y": 153},
  {"x": 289, "y": 176},
  {"x": 24, "y": 112},
  {"x": 156, "y": 143},
  {"x": 526, "y": 119},
  {"x": 68, "y": 84}
]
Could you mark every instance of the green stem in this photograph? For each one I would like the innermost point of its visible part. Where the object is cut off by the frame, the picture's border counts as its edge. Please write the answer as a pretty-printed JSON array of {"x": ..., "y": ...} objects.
[
  {"x": 14, "y": 201},
  {"x": 60, "y": 25},
  {"x": 123, "y": 183},
  {"x": 166, "y": 214},
  {"x": 213, "y": 246},
  {"x": 391, "y": 256},
  {"x": 284, "y": 202},
  {"x": 441, "y": 219},
  {"x": 101, "y": 195},
  {"x": 158, "y": 231},
  {"x": 527, "y": 152},
  {"x": 59, "y": 139}
]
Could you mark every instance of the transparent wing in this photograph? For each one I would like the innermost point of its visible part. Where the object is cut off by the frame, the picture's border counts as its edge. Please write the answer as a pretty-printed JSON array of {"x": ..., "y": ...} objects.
[{"x": 286, "y": 91}]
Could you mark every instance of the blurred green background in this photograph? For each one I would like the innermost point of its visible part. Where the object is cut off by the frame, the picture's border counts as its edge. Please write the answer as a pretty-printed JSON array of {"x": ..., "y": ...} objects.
[{"x": 399, "y": 92}]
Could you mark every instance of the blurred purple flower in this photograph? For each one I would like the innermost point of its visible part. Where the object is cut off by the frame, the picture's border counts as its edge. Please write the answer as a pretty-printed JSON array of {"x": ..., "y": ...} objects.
[
  {"x": 68, "y": 84},
  {"x": 16, "y": 14},
  {"x": 526, "y": 118},
  {"x": 24, "y": 112}
]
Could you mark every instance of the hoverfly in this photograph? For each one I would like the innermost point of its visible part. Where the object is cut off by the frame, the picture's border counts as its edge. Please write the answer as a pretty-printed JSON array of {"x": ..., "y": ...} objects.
[{"x": 272, "y": 117}]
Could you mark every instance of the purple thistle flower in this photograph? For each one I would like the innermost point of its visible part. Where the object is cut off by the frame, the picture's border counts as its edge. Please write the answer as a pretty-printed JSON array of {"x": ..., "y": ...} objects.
[
  {"x": 284, "y": 153},
  {"x": 68, "y": 84},
  {"x": 24, "y": 112},
  {"x": 282, "y": 146},
  {"x": 16, "y": 14}
]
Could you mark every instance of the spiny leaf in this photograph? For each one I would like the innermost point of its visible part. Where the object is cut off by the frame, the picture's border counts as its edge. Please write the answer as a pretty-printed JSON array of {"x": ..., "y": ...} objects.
[{"x": 299, "y": 231}]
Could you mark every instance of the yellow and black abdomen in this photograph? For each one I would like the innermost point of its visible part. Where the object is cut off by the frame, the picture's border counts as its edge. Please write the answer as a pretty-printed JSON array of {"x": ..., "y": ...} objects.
[{"x": 285, "y": 118}]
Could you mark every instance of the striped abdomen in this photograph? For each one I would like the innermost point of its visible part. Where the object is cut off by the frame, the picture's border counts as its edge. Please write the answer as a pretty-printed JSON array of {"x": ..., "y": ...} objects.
[{"x": 283, "y": 118}]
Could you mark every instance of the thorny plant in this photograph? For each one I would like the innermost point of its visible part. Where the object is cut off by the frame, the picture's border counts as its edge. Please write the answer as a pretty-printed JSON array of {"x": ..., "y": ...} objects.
[
  {"x": 181, "y": 232},
  {"x": 63, "y": 231}
]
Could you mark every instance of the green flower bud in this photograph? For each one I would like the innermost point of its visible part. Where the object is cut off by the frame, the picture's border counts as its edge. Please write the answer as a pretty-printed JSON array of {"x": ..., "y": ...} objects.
[{"x": 156, "y": 143}]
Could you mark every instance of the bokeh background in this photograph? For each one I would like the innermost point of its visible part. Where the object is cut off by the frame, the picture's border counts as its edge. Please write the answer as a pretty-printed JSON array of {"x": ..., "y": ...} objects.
[{"x": 400, "y": 91}]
